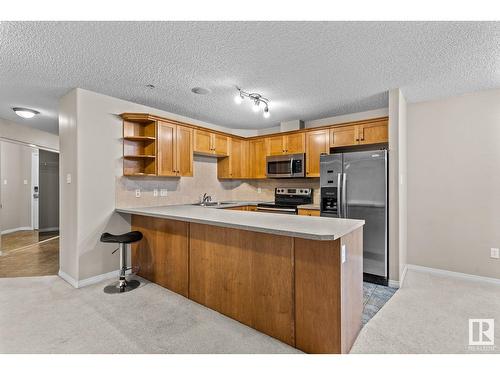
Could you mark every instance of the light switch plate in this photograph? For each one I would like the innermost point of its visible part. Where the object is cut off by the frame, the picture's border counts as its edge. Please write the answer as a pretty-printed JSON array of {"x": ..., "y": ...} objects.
[
  {"x": 68, "y": 178},
  {"x": 163, "y": 192},
  {"x": 137, "y": 193},
  {"x": 155, "y": 192},
  {"x": 495, "y": 253},
  {"x": 343, "y": 254},
  {"x": 259, "y": 190}
]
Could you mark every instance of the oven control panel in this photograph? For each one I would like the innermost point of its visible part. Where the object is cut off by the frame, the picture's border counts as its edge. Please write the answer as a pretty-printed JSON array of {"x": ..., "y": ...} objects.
[{"x": 293, "y": 191}]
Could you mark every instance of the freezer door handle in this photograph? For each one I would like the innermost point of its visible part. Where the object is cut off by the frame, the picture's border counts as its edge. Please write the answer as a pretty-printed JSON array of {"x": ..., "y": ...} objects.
[
  {"x": 344, "y": 199},
  {"x": 339, "y": 193}
]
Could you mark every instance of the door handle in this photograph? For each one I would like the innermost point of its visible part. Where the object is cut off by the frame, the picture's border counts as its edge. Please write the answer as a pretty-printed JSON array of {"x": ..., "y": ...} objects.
[
  {"x": 344, "y": 199},
  {"x": 339, "y": 193}
]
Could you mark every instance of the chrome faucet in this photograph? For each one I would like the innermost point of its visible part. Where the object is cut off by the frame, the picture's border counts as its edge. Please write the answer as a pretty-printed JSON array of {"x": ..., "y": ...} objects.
[{"x": 206, "y": 198}]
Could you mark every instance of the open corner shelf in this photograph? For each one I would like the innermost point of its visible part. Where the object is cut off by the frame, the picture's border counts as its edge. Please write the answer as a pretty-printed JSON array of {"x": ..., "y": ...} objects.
[{"x": 139, "y": 146}]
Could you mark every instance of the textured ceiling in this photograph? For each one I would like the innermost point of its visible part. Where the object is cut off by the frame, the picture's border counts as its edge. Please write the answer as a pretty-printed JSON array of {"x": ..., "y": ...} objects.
[{"x": 309, "y": 70}]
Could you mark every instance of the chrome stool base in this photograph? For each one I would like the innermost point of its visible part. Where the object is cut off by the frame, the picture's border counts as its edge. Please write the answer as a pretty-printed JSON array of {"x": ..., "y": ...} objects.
[{"x": 122, "y": 286}]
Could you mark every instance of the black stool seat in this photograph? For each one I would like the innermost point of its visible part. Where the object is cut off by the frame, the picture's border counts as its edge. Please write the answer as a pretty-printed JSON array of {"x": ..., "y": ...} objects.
[{"x": 122, "y": 238}]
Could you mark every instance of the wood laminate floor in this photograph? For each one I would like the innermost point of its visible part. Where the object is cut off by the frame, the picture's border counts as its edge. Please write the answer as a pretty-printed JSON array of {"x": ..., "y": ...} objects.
[
  {"x": 39, "y": 259},
  {"x": 22, "y": 238}
]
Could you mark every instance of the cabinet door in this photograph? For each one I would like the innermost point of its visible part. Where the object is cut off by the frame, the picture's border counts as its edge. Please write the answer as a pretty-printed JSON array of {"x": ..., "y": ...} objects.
[
  {"x": 343, "y": 136},
  {"x": 166, "y": 149},
  {"x": 317, "y": 143},
  {"x": 375, "y": 132},
  {"x": 203, "y": 142},
  {"x": 220, "y": 144},
  {"x": 275, "y": 145},
  {"x": 308, "y": 212},
  {"x": 235, "y": 158},
  {"x": 295, "y": 143},
  {"x": 257, "y": 157},
  {"x": 184, "y": 146}
]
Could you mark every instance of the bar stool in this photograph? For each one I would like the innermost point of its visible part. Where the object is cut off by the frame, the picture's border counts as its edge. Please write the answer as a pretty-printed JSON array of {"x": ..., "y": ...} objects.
[{"x": 124, "y": 241}]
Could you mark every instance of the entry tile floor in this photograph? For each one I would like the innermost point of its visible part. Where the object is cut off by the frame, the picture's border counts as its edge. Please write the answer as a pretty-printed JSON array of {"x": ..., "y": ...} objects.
[{"x": 374, "y": 297}]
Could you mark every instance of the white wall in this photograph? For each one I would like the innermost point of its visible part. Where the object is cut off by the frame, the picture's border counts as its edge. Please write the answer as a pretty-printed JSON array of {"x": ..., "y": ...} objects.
[
  {"x": 90, "y": 132},
  {"x": 15, "y": 168},
  {"x": 397, "y": 184},
  {"x": 454, "y": 183},
  {"x": 20, "y": 133}
]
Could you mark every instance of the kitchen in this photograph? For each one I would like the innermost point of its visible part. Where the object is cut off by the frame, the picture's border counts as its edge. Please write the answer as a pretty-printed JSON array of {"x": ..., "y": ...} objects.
[
  {"x": 211, "y": 204},
  {"x": 157, "y": 146}
]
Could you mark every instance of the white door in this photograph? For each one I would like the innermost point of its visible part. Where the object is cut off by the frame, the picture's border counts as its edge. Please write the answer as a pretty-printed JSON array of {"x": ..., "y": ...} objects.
[{"x": 34, "y": 189}]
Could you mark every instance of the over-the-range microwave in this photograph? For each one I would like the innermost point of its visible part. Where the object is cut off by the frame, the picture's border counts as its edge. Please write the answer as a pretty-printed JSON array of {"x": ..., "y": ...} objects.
[{"x": 286, "y": 166}]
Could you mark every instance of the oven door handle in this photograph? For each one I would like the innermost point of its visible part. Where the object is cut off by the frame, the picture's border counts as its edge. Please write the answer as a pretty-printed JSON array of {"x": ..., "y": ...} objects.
[{"x": 275, "y": 209}]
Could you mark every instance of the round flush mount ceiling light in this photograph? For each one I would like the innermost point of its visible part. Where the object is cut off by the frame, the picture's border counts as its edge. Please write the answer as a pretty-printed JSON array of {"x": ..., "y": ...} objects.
[
  {"x": 257, "y": 100},
  {"x": 25, "y": 112},
  {"x": 200, "y": 90}
]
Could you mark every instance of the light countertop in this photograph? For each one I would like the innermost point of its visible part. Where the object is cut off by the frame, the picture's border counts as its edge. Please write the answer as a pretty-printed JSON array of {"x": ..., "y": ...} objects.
[{"x": 309, "y": 227}]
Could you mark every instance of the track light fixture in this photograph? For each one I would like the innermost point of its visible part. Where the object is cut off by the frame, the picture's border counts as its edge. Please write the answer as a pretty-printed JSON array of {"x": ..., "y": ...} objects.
[{"x": 257, "y": 100}]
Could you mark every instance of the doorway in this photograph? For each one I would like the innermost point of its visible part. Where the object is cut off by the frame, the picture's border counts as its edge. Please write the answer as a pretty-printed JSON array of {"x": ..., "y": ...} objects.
[{"x": 29, "y": 210}]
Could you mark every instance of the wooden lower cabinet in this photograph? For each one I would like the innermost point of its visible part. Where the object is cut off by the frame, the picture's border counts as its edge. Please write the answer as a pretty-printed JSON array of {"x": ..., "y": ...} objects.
[
  {"x": 295, "y": 290},
  {"x": 308, "y": 212},
  {"x": 245, "y": 275},
  {"x": 328, "y": 294},
  {"x": 243, "y": 208},
  {"x": 162, "y": 255}
]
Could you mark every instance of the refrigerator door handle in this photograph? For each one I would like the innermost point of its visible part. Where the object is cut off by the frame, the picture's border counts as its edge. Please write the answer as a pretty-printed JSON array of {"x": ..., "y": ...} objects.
[
  {"x": 344, "y": 199},
  {"x": 339, "y": 193}
]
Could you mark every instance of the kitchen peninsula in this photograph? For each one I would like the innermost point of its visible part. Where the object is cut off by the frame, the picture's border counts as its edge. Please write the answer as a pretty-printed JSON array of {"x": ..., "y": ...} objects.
[{"x": 295, "y": 278}]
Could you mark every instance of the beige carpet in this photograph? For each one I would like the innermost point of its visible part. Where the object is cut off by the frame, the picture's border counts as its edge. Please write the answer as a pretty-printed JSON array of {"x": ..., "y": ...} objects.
[
  {"x": 47, "y": 315},
  {"x": 430, "y": 314}
]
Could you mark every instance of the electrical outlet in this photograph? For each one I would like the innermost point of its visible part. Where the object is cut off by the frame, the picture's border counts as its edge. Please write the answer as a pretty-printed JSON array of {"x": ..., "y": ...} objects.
[
  {"x": 163, "y": 192},
  {"x": 137, "y": 193},
  {"x": 5, "y": 182},
  {"x": 259, "y": 190},
  {"x": 343, "y": 254},
  {"x": 495, "y": 253},
  {"x": 155, "y": 192},
  {"x": 68, "y": 178},
  {"x": 25, "y": 182}
]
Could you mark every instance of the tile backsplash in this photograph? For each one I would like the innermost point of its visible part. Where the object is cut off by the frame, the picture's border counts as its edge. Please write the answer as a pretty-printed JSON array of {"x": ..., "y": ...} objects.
[{"x": 189, "y": 189}]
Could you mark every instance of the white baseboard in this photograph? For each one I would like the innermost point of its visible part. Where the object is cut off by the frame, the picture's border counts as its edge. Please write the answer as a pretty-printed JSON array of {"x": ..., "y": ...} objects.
[
  {"x": 7, "y": 231},
  {"x": 63, "y": 275},
  {"x": 393, "y": 284},
  {"x": 464, "y": 276},
  {"x": 405, "y": 270},
  {"x": 90, "y": 280}
]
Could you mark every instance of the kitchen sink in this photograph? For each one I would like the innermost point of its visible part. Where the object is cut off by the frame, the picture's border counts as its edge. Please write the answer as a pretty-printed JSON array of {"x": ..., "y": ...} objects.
[{"x": 214, "y": 204}]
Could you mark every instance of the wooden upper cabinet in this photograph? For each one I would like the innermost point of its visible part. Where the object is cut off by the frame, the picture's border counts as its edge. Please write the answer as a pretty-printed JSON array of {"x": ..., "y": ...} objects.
[
  {"x": 175, "y": 150},
  {"x": 208, "y": 143},
  {"x": 184, "y": 154},
  {"x": 362, "y": 134},
  {"x": 257, "y": 158},
  {"x": 220, "y": 144},
  {"x": 317, "y": 143},
  {"x": 167, "y": 164},
  {"x": 374, "y": 132},
  {"x": 295, "y": 143},
  {"x": 286, "y": 144},
  {"x": 235, "y": 164},
  {"x": 343, "y": 136},
  {"x": 275, "y": 145},
  {"x": 202, "y": 142}
]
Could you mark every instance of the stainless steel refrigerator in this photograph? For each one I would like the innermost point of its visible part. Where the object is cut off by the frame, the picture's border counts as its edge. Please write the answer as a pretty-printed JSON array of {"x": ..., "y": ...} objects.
[{"x": 354, "y": 185}]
